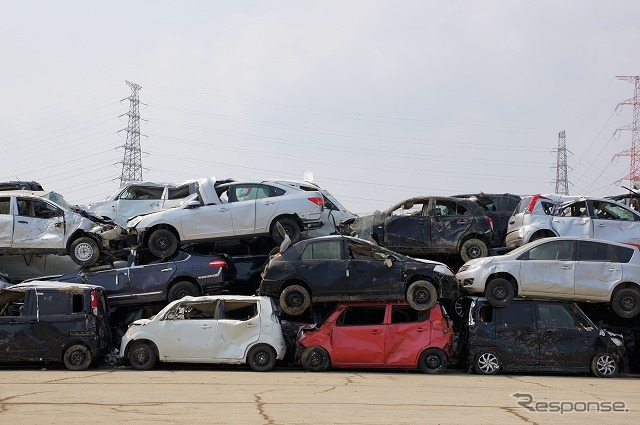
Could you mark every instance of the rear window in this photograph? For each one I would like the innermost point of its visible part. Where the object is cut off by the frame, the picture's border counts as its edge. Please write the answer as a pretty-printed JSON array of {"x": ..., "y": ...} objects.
[
  {"x": 322, "y": 250},
  {"x": 55, "y": 302},
  {"x": 622, "y": 254},
  {"x": 515, "y": 314}
]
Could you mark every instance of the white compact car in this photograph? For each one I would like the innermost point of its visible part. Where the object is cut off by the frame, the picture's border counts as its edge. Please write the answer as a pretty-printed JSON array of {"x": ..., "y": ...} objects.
[
  {"x": 38, "y": 222},
  {"x": 229, "y": 211},
  {"x": 575, "y": 269},
  {"x": 540, "y": 217},
  {"x": 231, "y": 329}
]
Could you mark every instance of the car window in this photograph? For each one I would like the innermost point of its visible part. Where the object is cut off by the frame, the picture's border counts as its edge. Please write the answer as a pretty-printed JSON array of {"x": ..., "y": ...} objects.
[
  {"x": 239, "y": 310},
  {"x": 445, "y": 207},
  {"x": 53, "y": 302},
  {"x": 515, "y": 314},
  {"x": 576, "y": 209},
  {"x": 485, "y": 314},
  {"x": 555, "y": 316},
  {"x": 593, "y": 251},
  {"x": 322, "y": 250},
  {"x": 622, "y": 254},
  {"x": 361, "y": 316},
  {"x": 180, "y": 192},
  {"x": 552, "y": 250},
  {"x": 5, "y": 205},
  {"x": 249, "y": 192},
  {"x": 406, "y": 314},
  {"x": 410, "y": 208},
  {"x": 609, "y": 211},
  {"x": 190, "y": 310},
  {"x": 12, "y": 305},
  {"x": 141, "y": 193},
  {"x": 359, "y": 251}
]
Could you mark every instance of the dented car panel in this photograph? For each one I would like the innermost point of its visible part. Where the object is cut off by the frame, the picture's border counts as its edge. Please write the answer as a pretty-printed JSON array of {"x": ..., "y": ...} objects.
[
  {"x": 425, "y": 225},
  {"x": 42, "y": 222},
  {"x": 380, "y": 335},
  {"x": 343, "y": 268},
  {"x": 533, "y": 335},
  {"x": 42, "y": 321}
]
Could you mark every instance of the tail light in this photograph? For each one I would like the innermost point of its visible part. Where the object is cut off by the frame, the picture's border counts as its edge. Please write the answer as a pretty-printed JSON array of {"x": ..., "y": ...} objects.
[
  {"x": 94, "y": 302},
  {"x": 218, "y": 262},
  {"x": 317, "y": 200},
  {"x": 490, "y": 223}
]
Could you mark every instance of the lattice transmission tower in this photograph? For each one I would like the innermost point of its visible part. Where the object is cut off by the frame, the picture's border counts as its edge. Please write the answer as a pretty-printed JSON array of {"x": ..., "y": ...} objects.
[
  {"x": 562, "y": 182},
  {"x": 634, "y": 152},
  {"x": 132, "y": 162}
]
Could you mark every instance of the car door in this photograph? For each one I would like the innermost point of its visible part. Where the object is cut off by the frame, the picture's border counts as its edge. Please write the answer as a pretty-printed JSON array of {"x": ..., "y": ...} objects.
[
  {"x": 115, "y": 281},
  {"x": 189, "y": 331},
  {"x": 450, "y": 220},
  {"x": 150, "y": 281},
  {"x": 613, "y": 222},
  {"x": 516, "y": 334},
  {"x": 409, "y": 227},
  {"x": 574, "y": 220},
  {"x": 407, "y": 333},
  {"x": 137, "y": 199},
  {"x": 563, "y": 341},
  {"x": 548, "y": 269},
  {"x": 358, "y": 336},
  {"x": 206, "y": 221},
  {"x": 13, "y": 324},
  {"x": 238, "y": 327},
  {"x": 323, "y": 265},
  {"x": 252, "y": 207},
  {"x": 6, "y": 222},
  {"x": 372, "y": 273},
  {"x": 597, "y": 269},
  {"x": 38, "y": 224}
]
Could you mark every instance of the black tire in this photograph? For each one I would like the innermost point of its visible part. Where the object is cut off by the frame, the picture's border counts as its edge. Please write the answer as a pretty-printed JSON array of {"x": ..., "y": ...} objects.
[
  {"x": 181, "y": 290},
  {"x": 422, "y": 295},
  {"x": 315, "y": 359},
  {"x": 539, "y": 235},
  {"x": 261, "y": 358},
  {"x": 626, "y": 302},
  {"x": 142, "y": 356},
  {"x": 499, "y": 292},
  {"x": 473, "y": 248},
  {"x": 163, "y": 243},
  {"x": 290, "y": 226},
  {"x": 433, "y": 360},
  {"x": 487, "y": 363},
  {"x": 84, "y": 251},
  {"x": 295, "y": 300},
  {"x": 604, "y": 365},
  {"x": 77, "y": 357}
]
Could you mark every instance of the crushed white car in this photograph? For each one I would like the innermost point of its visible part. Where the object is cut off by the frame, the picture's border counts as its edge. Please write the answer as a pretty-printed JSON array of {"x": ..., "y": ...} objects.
[
  {"x": 231, "y": 329},
  {"x": 38, "y": 222}
]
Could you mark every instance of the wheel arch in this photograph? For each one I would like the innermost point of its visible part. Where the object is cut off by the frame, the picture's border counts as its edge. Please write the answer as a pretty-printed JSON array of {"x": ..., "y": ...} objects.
[
  {"x": 539, "y": 234},
  {"x": 417, "y": 277},
  {"x": 131, "y": 343},
  {"x": 70, "y": 344},
  {"x": 258, "y": 344},
  {"x": 473, "y": 235},
  {"x": 294, "y": 217},
  {"x": 291, "y": 282},
  {"x": 506, "y": 276},
  {"x": 150, "y": 230},
  {"x": 81, "y": 233},
  {"x": 178, "y": 279}
]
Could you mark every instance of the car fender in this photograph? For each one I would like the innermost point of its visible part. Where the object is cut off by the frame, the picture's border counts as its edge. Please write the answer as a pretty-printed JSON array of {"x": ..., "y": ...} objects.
[{"x": 277, "y": 344}]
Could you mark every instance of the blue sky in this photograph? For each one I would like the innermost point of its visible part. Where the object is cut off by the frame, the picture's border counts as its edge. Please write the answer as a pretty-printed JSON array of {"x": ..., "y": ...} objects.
[{"x": 380, "y": 100}]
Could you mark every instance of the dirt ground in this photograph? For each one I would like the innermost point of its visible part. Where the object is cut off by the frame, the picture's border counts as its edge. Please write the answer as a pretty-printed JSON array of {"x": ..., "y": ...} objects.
[{"x": 236, "y": 395}]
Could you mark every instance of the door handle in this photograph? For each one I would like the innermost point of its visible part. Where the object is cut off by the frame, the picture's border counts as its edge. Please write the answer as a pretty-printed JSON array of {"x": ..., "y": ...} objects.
[
  {"x": 304, "y": 267},
  {"x": 463, "y": 222},
  {"x": 223, "y": 209},
  {"x": 268, "y": 203},
  {"x": 566, "y": 267},
  {"x": 206, "y": 326},
  {"x": 422, "y": 329},
  {"x": 251, "y": 325},
  {"x": 600, "y": 225},
  {"x": 376, "y": 332},
  {"x": 58, "y": 225},
  {"x": 166, "y": 270},
  {"x": 352, "y": 266},
  {"x": 23, "y": 222},
  {"x": 613, "y": 270},
  {"x": 529, "y": 332},
  {"x": 421, "y": 222}
]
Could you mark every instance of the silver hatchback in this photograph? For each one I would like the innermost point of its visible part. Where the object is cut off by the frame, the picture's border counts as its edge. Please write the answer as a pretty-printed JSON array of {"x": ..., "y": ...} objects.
[{"x": 575, "y": 269}]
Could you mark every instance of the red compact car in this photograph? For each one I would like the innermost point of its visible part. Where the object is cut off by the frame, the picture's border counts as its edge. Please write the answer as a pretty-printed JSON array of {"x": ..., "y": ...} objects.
[{"x": 378, "y": 335}]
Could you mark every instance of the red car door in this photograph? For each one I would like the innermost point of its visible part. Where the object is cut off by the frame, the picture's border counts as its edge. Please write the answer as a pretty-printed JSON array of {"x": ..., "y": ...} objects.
[
  {"x": 407, "y": 333},
  {"x": 358, "y": 336}
]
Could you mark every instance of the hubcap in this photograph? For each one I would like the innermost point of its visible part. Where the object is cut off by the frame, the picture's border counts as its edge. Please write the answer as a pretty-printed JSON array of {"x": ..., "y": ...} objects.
[
  {"x": 84, "y": 251},
  {"x": 500, "y": 292},
  {"x": 606, "y": 365},
  {"x": 458, "y": 307},
  {"x": 315, "y": 359},
  {"x": 473, "y": 251},
  {"x": 261, "y": 358},
  {"x": 77, "y": 358},
  {"x": 295, "y": 299},
  {"x": 628, "y": 302},
  {"x": 433, "y": 361},
  {"x": 162, "y": 243},
  {"x": 488, "y": 363},
  {"x": 141, "y": 356},
  {"x": 421, "y": 296}
]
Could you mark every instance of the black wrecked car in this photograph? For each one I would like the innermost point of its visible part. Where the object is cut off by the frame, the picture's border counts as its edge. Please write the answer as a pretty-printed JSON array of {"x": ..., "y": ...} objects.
[
  {"x": 534, "y": 335},
  {"x": 429, "y": 225},
  {"x": 54, "y": 322},
  {"x": 498, "y": 207},
  {"x": 343, "y": 268},
  {"x": 169, "y": 280}
]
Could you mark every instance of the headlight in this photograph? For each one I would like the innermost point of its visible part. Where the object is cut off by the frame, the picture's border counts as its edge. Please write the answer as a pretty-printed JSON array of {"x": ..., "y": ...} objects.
[{"x": 442, "y": 269}]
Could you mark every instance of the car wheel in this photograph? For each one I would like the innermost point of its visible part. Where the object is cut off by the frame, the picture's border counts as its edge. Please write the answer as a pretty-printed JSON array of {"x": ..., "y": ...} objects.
[
  {"x": 315, "y": 359},
  {"x": 112, "y": 358},
  {"x": 261, "y": 358},
  {"x": 422, "y": 295},
  {"x": 499, "y": 292},
  {"x": 433, "y": 360},
  {"x": 77, "y": 357},
  {"x": 457, "y": 308},
  {"x": 626, "y": 302},
  {"x": 487, "y": 363},
  {"x": 163, "y": 243},
  {"x": 473, "y": 248},
  {"x": 181, "y": 290},
  {"x": 290, "y": 226},
  {"x": 604, "y": 365},
  {"x": 142, "y": 356},
  {"x": 84, "y": 251},
  {"x": 295, "y": 300}
]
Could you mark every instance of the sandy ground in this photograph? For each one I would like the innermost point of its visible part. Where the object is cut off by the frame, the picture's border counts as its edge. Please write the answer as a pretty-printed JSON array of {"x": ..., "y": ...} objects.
[{"x": 236, "y": 395}]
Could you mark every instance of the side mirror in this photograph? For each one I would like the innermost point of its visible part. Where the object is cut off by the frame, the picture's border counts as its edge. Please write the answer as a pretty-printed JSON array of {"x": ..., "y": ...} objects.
[{"x": 193, "y": 204}]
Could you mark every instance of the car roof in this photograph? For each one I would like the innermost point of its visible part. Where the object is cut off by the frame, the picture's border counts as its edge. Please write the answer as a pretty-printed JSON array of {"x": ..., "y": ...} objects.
[{"x": 49, "y": 284}]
